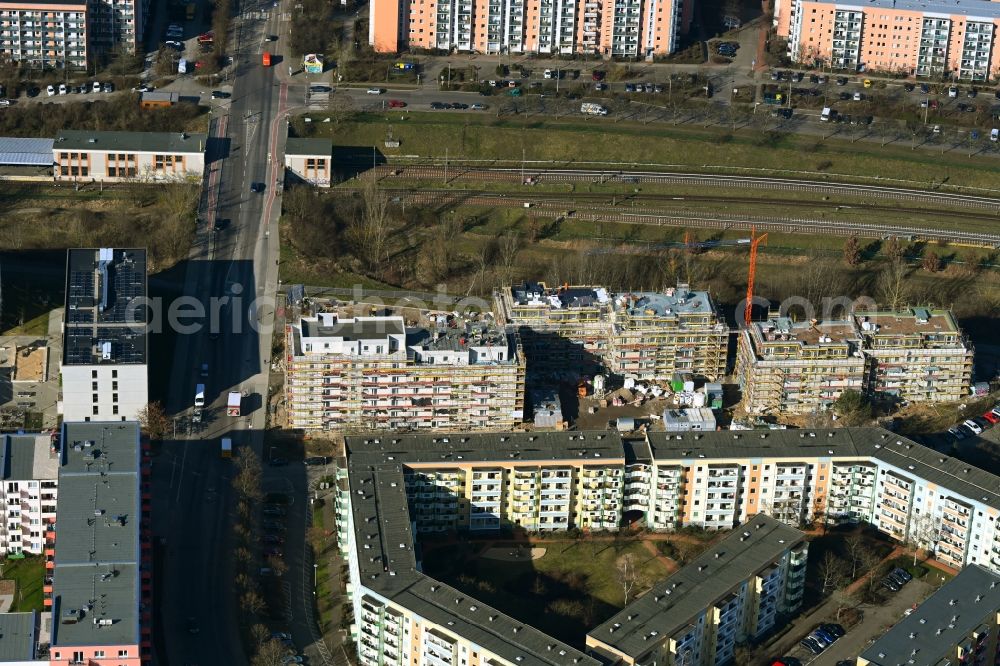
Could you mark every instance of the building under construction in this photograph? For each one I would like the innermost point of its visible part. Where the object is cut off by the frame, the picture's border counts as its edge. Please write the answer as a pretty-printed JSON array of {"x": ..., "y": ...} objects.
[
  {"x": 441, "y": 372},
  {"x": 798, "y": 367},
  {"x": 917, "y": 355},
  {"x": 655, "y": 335},
  {"x": 573, "y": 330}
]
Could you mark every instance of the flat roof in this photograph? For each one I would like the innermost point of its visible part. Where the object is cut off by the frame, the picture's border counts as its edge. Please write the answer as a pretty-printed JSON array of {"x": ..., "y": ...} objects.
[
  {"x": 105, "y": 317},
  {"x": 807, "y": 333},
  {"x": 27, "y": 457},
  {"x": 18, "y": 636},
  {"x": 672, "y": 301},
  {"x": 914, "y": 321},
  {"x": 309, "y": 147},
  {"x": 95, "y": 584},
  {"x": 564, "y": 297},
  {"x": 679, "y": 600},
  {"x": 928, "y": 635},
  {"x": 15, "y": 151},
  {"x": 174, "y": 143},
  {"x": 359, "y": 328},
  {"x": 969, "y": 9}
]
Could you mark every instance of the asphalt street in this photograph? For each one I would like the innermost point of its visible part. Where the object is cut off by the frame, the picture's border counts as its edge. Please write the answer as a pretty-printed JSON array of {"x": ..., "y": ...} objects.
[{"x": 193, "y": 505}]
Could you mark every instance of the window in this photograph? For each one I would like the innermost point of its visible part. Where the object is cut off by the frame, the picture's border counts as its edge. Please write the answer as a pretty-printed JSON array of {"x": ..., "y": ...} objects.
[
  {"x": 95, "y": 410},
  {"x": 94, "y": 397},
  {"x": 114, "y": 374},
  {"x": 93, "y": 374},
  {"x": 114, "y": 397},
  {"x": 122, "y": 653},
  {"x": 93, "y": 386}
]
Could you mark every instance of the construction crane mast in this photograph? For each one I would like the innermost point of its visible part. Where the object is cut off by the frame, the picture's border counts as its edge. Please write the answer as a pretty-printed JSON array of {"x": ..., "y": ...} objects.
[{"x": 755, "y": 241}]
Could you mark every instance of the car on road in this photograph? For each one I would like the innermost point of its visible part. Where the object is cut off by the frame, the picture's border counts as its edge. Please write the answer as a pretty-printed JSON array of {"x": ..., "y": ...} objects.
[
  {"x": 396, "y": 104},
  {"x": 272, "y": 538},
  {"x": 220, "y": 94},
  {"x": 973, "y": 426},
  {"x": 316, "y": 460},
  {"x": 192, "y": 626},
  {"x": 375, "y": 91},
  {"x": 257, "y": 187}
]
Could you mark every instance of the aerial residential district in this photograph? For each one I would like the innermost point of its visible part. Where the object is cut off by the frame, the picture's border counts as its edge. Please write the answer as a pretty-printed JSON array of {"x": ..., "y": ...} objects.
[{"x": 500, "y": 333}]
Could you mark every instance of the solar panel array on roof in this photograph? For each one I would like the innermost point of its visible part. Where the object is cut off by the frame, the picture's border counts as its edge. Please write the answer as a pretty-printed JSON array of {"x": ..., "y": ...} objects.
[
  {"x": 105, "y": 318},
  {"x": 16, "y": 151}
]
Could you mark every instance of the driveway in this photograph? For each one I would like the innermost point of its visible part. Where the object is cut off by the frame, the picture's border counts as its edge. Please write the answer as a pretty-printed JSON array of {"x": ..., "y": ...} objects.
[{"x": 877, "y": 620}]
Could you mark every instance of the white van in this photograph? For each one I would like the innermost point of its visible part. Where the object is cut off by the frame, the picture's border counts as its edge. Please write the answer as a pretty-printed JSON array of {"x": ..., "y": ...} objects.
[
  {"x": 826, "y": 114},
  {"x": 199, "y": 395},
  {"x": 995, "y": 134}
]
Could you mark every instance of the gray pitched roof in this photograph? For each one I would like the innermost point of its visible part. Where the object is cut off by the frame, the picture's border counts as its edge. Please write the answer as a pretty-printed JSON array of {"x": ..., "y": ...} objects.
[
  {"x": 15, "y": 151},
  {"x": 175, "y": 143}
]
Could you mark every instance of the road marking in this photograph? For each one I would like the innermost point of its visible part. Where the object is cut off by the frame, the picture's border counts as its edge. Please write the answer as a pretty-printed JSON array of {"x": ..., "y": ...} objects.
[{"x": 180, "y": 481}]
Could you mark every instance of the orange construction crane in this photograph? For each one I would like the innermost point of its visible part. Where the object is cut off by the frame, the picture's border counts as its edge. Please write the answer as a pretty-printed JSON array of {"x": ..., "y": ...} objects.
[{"x": 755, "y": 240}]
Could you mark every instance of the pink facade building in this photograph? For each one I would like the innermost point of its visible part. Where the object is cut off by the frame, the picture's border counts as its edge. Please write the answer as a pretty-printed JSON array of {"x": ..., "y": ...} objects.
[
  {"x": 612, "y": 28},
  {"x": 925, "y": 38}
]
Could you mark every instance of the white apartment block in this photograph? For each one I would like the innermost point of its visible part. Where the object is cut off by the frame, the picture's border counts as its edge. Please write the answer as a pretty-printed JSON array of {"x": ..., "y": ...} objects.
[
  {"x": 393, "y": 489},
  {"x": 30, "y": 467},
  {"x": 377, "y": 373},
  {"x": 43, "y": 34},
  {"x": 643, "y": 335},
  {"x": 104, "y": 364},
  {"x": 733, "y": 592},
  {"x": 153, "y": 157}
]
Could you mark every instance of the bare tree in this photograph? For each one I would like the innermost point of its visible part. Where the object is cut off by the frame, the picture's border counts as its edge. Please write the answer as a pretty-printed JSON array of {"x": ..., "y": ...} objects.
[
  {"x": 870, "y": 561},
  {"x": 852, "y": 251},
  {"x": 924, "y": 533},
  {"x": 932, "y": 262},
  {"x": 510, "y": 245},
  {"x": 277, "y": 565},
  {"x": 271, "y": 653},
  {"x": 251, "y": 602},
  {"x": 340, "y": 108},
  {"x": 854, "y": 545},
  {"x": 260, "y": 634},
  {"x": 831, "y": 572},
  {"x": 892, "y": 284},
  {"x": 373, "y": 226},
  {"x": 153, "y": 420},
  {"x": 247, "y": 480},
  {"x": 627, "y": 574}
]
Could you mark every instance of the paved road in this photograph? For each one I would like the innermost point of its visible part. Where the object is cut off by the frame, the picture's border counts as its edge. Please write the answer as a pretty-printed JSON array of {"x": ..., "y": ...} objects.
[{"x": 192, "y": 491}]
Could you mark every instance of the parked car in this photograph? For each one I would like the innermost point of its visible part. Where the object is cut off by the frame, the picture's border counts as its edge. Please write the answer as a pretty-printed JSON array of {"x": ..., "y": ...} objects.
[
  {"x": 598, "y": 75},
  {"x": 820, "y": 639},
  {"x": 810, "y": 644},
  {"x": 991, "y": 418},
  {"x": 924, "y": 88},
  {"x": 32, "y": 92},
  {"x": 479, "y": 107},
  {"x": 257, "y": 187},
  {"x": 953, "y": 91},
  {"x": 983, "y": 425},
  {"x": 841, "y": 80},
  {"x": 273, "y": 511},
  {"x": 972, "y": 427},
  {"x": 890, "y": 584},
  {"x": 50, "y": 90},
  {"x": 903, "y": 573},
  {"x": 957, "y": 433},
  {"x": 316, "y": 460},
  {"x": 600, "y": 86},
  {"x": 833, "y": 629},
  {"x": 221, "y": 94},
  {"x": 63, "y": 89},
  {"x": 909, "y": 87},
  {"x": 108, "y": 87},
  {"x": 995, "y": 134}
]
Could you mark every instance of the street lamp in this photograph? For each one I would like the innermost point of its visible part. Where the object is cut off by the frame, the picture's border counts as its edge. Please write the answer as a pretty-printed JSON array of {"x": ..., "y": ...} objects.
[{"x": 315, "y": 573}]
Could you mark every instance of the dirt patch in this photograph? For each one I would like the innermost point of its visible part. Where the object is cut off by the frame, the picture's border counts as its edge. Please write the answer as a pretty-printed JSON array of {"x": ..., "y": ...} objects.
[{"x": 517, "y": 554}]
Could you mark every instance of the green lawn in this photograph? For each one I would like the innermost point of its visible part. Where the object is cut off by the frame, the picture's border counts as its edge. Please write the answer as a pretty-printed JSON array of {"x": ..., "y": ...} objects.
[
  {"x": 572, "y": 588},
  {"x": 574, "y": 141},
  {"x": 28, "y": 575}
]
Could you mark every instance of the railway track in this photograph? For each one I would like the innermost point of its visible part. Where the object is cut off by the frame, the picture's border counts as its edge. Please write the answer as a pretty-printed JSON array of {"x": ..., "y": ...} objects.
[
  {"x": 688, "y": 219},
  {"x": 510, "y": 174}
]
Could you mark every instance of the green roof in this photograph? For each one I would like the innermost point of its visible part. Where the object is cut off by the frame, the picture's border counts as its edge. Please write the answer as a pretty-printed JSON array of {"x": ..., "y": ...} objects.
[{"x": 140, "y": 142}]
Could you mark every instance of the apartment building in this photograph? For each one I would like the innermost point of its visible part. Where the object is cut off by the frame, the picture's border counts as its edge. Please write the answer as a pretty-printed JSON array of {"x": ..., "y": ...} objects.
[
  {"x": 444, "y": 372},
  {"x": 44, "y": 34},
  {"x": 657, "y": 334},
  {"x": 917, "y": 355},
  {"x": 798, "y": 367},
  {"x": 29, "y": 465},
  {"x": 958, "y": 624},
  {"x": 623, "y": 28},
  {"x": 403, "y": 616},
  {"x": 86, "y": 156},
  {"x": 104, "y": 363},
  {"x": 732, "y": 593},
  {"x": 562, "y": 329},
  {"x": 914, "y": 37},
  {"x": 98, "y": 562},
  {"x": 644, "y": 335},
  {"x": 117, "y": 24}
]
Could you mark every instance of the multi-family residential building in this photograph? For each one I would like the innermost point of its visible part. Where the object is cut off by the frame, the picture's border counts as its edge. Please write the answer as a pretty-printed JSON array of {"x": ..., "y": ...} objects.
[
  {"x": 447, "y": 372},
  {"x": 958, "y": 624},
  {"x": 44, "y": 34},
  {"x": 927, "y": 39},
  {"x": 104, "y": 364},
  {"x": 562, "y": 329},
  {"x": 624, "y": 28},
  {"x": 798, "y": 367},
  {"x": 732, "y": 593},
  {"x": 117, "y": 24},
  {"x": 917, "y": 355},
  {"x": 644, "y": 335},
  {"x": 98, "y": 563},
  {"x": 657, "y": 334},
  {"x": 310, "y": 160},
  {"x": 85, "y": 156},
  {"x": 29, "y": 465}
]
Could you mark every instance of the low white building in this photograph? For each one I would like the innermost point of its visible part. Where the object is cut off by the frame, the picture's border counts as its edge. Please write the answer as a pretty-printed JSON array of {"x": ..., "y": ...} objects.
[
  {"x": 30, "y": 469},
  {"x": 85, "y": 155},
  {"x": 310, "y": 160}
]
